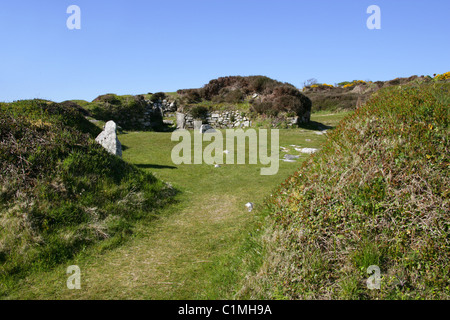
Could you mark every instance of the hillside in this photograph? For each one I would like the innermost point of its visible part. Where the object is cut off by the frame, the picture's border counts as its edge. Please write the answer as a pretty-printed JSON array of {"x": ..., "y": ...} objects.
[
  {"x": 348, "y": 95},
  {"x": 376, "y": 194},
  {"x": 265, "y": 101},
  {"x": 61, "y": 192}
]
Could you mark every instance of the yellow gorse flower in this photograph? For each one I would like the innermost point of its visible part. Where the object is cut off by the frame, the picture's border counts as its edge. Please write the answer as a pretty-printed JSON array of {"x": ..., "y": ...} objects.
[
  {"x": 443, "y": 76},
  {"x": 354, "y": 83}
]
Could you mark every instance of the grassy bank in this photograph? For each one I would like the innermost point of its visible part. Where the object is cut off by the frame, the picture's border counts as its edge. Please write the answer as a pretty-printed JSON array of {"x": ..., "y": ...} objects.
[
  {"x": 61, "y": 192},
  {"x": 377, "y": 194}
]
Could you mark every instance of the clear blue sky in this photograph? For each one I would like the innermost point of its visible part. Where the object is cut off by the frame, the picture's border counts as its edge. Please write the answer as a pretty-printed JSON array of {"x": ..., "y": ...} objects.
[{"x": 136, "y": 46}]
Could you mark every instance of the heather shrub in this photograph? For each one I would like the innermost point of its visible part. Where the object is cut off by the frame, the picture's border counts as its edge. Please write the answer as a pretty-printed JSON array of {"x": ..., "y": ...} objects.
[{"x": 264, "y": 107}]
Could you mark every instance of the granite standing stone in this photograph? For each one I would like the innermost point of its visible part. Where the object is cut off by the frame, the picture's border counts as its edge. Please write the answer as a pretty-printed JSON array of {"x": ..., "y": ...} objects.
[
  {"x": 108, "y": 139},
  {"x": 181, "y": 120}
]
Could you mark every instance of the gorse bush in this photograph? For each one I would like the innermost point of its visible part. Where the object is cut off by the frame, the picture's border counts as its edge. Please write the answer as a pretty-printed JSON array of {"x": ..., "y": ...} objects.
[
  {"x": 441, "y": 77},
  {"x": 355, "y": 83},
  {"x": 322, "y": 86},
  {"x": 60, "y": 191},
  {"x": 376, "y": 194}
]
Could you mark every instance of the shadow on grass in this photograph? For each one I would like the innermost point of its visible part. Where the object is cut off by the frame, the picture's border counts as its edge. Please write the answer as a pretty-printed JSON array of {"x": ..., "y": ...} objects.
[
  {"x": 314, "y": 125},
  {"x": 167, "y": 128},
  {"x": 154, "y": 166}
]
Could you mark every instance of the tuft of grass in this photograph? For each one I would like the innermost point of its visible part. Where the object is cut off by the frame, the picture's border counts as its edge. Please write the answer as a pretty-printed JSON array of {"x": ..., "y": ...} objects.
[{"x": 366, "y": 254}]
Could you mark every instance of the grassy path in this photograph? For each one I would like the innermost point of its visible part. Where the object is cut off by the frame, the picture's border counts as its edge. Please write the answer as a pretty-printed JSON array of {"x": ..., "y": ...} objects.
[{"x": 196, "y": 248}]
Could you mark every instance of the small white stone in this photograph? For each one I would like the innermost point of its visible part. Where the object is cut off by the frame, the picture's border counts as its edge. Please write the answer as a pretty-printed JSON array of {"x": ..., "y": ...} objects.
[{"x": 308, "y": 150}]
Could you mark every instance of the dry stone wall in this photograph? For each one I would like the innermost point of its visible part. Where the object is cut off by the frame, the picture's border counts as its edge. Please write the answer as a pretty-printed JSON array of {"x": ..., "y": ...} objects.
[
  {"x": 216, "y": 119},
  {"x": 226, "y": 119}
]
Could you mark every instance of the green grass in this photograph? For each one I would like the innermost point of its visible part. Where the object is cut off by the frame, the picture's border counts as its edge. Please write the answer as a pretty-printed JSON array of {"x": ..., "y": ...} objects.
[
  {"x": 201, "y": 247},
  {"x": 377, "y": 194}
]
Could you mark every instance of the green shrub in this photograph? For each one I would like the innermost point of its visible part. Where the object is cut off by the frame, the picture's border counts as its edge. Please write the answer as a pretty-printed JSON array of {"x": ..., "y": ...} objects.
[
  {"x": 198, "y": 112},
  {"x": 158, "y": 97}
]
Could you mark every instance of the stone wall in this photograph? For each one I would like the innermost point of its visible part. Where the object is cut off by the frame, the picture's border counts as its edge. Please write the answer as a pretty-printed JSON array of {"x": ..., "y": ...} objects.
[
  {"x": 216, "y": 119},
  {"x": 227, "y": 119},
  {"x": 154, "y": 113}
]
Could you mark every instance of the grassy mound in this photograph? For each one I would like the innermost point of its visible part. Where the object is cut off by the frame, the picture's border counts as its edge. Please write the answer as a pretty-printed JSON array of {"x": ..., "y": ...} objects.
[
  {"x": 125, "y": 110},
  {"x": 259, "y": 94},
  {"x": 60, "y": 191},
  {"x": 377, "y": 194}
]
